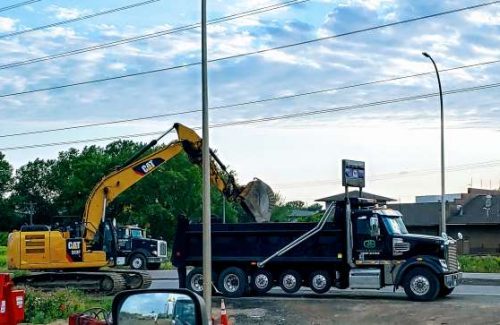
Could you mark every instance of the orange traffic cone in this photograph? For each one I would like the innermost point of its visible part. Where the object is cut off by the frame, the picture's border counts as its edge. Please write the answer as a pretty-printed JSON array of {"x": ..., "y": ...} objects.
[{"x": 223, "y": 315}]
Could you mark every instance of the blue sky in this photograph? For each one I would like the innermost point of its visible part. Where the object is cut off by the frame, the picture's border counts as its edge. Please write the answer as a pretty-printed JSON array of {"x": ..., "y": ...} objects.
[{"x": 299, "y": 157}]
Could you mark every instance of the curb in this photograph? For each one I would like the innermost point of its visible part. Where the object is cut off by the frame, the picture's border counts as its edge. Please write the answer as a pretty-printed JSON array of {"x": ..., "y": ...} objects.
[{"x": 480, "y": 282}]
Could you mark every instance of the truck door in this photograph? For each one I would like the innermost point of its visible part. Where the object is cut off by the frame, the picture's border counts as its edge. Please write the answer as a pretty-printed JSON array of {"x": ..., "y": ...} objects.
[{"x": 368, "y": 243}]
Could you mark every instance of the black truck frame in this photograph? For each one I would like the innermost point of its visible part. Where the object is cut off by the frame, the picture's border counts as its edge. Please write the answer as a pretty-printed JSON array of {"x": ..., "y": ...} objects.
[{"x": 357, "y": 244}]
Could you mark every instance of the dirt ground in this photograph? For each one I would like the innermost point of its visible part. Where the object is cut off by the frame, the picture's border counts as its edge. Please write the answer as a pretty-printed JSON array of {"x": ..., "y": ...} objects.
[{"x": 359, "y": 309}]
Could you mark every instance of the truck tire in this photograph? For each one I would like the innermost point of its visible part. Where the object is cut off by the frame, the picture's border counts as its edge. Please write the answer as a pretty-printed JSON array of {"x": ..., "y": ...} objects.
[
  {"x": 320, "y": 281},
  {"x": 262, "y": 282},
  {"x": 232, "y": 282},
  {"x": 444, "y": 291},
  {"x": 154, "y": 266},
  {"x": 194, "y": 280},
  {"x": 137, "y": 262},
  {"x": 421, "y": 284},
  {"x": 290, "y": 281}
]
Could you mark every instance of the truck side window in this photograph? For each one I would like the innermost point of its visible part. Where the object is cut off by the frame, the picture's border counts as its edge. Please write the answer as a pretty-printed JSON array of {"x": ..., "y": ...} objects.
[{"x": 363, "y": 225}]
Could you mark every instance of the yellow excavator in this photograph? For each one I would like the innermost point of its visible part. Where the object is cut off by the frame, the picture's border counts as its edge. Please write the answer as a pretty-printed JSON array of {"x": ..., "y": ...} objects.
[{"x": 62, "y": 258}]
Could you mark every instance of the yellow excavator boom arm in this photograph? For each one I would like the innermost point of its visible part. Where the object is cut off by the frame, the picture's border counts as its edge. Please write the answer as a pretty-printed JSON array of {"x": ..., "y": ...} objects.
[{"x": 135, "y": 169}]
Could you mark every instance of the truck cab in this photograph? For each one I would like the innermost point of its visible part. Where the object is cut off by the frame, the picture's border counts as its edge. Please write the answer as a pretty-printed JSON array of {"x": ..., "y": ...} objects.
[
  {"x": 385, "y": 253},
  {"x": 139, "y": 251}
]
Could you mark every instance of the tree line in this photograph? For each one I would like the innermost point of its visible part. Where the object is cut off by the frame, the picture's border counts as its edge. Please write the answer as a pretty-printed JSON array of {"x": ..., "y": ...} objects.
[{"x": 51, "y": 191}]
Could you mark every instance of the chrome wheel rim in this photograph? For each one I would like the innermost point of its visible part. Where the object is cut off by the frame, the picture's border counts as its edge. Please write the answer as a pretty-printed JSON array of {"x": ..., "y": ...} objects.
[
  {"x": 197, "y": 282},
  {"x": 289, "y": 281},
  {"x": 420, "y": 285},
  {"x": 319, "y": 281},
  {"x": 231, "y": 283},
  {"x": 137, "y": 263},
  {"x": 261, "y": 281}
]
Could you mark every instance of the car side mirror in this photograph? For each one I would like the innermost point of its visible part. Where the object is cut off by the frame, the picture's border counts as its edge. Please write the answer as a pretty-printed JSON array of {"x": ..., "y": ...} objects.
[
  {"x": 158, "y": 306},
  {"x": 374, "y": 227}
]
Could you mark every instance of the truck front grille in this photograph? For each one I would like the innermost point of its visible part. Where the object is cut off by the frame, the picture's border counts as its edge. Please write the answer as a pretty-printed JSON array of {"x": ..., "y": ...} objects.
[
  {"x": 452, "y": 257},
  {"x": 162, "y": 251}
]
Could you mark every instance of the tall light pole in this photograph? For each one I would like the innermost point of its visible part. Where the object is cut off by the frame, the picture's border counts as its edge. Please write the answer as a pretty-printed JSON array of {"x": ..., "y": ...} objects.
[
  {"x": 207, "y": 240},
  {"x": 443, "y": 202}
]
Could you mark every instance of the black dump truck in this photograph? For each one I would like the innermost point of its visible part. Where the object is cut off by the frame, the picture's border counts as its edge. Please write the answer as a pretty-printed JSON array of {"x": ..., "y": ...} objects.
[
  {"x": 357, "y": 244},
  {"x": 139, "y": 251}
]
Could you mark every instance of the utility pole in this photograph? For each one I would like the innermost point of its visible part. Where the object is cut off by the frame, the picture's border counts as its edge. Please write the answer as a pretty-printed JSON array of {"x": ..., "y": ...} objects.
[
  {"x": 207, "y": 240},
  {"x": 443, "y": 201}
]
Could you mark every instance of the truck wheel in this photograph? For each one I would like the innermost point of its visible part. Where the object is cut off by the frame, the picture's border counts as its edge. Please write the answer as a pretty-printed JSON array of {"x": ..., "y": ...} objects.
[
  {"x": 232, "y": 282},
  {"x": 262, "y": 281},
  {"x": 154, "y": 266},
  {"x": 320, "y": 281},
  {"x": 290, "y": 281},
  {"x": 194, "y": 280},
  {"x": 137, "y": 262},
  {"x": 444, "y": 291},
  {"x": 421, "y": 284}
]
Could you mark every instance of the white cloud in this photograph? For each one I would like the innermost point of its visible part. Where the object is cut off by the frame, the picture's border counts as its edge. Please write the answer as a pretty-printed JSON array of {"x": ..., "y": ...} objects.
[
  {"x": 484, "y": 17},
  {"x": 119, "y": 66},
  {"x": 66, "y": 13},
  {"x": 7, "y": 24}
]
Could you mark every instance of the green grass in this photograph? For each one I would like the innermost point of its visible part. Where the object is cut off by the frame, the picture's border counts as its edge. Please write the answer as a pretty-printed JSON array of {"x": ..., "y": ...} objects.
[
  {"x": 482, "y": 264},
  {"x": 3, "y": 257}
]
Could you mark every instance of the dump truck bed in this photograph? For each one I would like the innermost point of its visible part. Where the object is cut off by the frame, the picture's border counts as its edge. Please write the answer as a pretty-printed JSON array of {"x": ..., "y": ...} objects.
[{"x": 253, "y": 242}]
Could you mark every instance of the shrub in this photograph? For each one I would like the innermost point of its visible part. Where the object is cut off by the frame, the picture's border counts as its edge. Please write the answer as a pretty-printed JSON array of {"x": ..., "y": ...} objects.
[
  {"x": 43, "y": 307},
  {"x": 488, "y": 264},
  {"x": 3, "y": 238}
]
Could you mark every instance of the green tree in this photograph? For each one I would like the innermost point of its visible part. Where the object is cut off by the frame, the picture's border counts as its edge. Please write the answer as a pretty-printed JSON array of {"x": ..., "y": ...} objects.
[
  {"x": 34, "y": 189},
  {"x": 8, "y": 216}
]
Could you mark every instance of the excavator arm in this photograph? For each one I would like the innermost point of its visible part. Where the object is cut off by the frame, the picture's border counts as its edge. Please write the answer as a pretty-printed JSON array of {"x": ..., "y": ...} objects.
[{"x": 256, "y": 198}]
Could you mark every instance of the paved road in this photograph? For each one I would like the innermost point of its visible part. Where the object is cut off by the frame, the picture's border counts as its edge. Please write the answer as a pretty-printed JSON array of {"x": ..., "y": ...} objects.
[
  {"x": 469, "y": 304},
  {"x": 168, "y": 280}
]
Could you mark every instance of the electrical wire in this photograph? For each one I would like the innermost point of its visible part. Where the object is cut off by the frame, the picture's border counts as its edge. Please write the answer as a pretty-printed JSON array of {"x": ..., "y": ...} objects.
[
  {"x": 17, "y": 5},
  {"x": 151, "y": 35},
  {"x": 259, "y": 101},
  {"x": 101, "y": 13},
  {"x": 393, "y": 175},
  {"x": 235, "y": 56},
  {"x": 270, "y": 118}
]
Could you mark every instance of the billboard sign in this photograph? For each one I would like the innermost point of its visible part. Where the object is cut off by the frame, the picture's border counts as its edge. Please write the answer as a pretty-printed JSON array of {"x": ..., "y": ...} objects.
[{"x": 353, "y": 173}]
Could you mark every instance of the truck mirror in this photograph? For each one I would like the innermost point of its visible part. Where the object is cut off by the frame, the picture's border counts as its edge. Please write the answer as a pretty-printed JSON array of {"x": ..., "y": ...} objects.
[
  {"x": 158, "y": 306},
  {"x": 374, "y": 226}
]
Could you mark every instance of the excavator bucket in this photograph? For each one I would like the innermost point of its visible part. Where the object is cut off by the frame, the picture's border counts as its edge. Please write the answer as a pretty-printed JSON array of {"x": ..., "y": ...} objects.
[{"x": 258, "y": 199}]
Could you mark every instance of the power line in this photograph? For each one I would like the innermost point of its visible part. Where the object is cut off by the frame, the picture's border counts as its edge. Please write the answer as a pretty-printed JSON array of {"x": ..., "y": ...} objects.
[
  {"x": 243, "y": 54},
  {"x": 17, "y": 5},
  {"x": 270, "y": 118},
  {"x": 387, "y": 176},
  {"x": 269, "y": 99},
  {"x": 77, "y": 19},
  {"x": 152, "y": 35}
]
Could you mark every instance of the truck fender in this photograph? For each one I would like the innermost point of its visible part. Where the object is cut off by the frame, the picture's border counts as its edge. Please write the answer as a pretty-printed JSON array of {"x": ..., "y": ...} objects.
[
  {"x": 138, "y": 251},
  {"x": 430, "y": 262}
]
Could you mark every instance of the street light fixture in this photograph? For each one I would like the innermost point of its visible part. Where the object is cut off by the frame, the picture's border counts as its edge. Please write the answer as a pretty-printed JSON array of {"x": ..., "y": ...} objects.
[{"x": 443, "y": 202}]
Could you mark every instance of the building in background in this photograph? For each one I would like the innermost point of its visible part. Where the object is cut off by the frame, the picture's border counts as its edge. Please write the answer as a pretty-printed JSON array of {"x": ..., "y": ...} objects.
[{"x": 340, "y": 197}]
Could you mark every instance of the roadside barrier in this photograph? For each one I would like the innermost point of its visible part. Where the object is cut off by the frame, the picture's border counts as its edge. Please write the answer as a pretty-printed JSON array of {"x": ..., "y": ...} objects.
[{"x": 11, "y": 302}]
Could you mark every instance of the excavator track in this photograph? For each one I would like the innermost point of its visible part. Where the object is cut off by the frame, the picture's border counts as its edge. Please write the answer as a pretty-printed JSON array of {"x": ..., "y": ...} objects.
[
  {"x": 135, "y": 279},
  {"x": 108, "y": 283}
]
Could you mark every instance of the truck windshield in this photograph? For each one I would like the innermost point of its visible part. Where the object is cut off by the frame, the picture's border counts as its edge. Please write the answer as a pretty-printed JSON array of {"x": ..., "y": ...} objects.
[
  {"x": 136, "y": 233},
  {"x": 395, "y": 226}
]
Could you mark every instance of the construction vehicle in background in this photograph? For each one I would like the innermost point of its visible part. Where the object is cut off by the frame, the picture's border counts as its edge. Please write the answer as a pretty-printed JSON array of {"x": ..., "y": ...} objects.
[{"x": 75, "y": 258}]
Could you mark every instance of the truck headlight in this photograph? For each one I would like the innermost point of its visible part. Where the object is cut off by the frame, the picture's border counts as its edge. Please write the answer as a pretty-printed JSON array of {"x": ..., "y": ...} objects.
[
  {"x": 155, "y": 253},
  {"x": 443, "y": 265}
]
